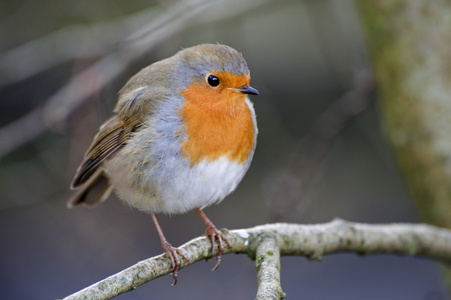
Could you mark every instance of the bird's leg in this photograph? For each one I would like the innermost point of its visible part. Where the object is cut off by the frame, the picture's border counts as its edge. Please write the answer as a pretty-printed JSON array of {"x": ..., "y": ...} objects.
[
  {"x": 172, "y": 252},
  {"x": 214, "y": 234}
]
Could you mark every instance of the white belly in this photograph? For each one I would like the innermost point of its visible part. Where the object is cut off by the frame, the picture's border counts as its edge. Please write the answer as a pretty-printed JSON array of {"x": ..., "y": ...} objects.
[{"x": 177, "y": 191}]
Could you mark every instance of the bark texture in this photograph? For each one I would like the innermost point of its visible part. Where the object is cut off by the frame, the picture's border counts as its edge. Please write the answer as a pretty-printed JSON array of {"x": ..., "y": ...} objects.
[{"x": 410, "y": 43}]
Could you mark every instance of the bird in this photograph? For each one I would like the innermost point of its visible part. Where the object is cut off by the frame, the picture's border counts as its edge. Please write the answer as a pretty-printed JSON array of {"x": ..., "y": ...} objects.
[{"x": 181, "y": 137}]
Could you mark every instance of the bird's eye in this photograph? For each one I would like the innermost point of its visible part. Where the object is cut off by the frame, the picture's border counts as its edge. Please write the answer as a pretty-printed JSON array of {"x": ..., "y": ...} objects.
[{"x": 213, "y": 80}]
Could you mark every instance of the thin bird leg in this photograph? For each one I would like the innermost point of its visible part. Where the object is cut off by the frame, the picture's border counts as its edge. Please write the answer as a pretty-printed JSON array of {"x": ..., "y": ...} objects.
[
  {"x": 172, "y": 252},
  {"x": 214, "y": 234}
]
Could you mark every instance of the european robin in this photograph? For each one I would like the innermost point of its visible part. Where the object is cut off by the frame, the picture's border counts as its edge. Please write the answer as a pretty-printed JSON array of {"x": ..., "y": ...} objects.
[{"x": 182, "y": 136}]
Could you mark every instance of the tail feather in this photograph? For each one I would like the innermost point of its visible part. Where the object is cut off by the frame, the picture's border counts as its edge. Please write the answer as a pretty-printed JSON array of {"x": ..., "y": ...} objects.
[{"x": 93, "y": 192}]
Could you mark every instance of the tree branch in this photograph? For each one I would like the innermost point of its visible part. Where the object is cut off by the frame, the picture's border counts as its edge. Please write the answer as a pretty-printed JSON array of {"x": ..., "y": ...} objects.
[
  {"x": 267, "y": 261},
  {"x": 263, "y": 243}
]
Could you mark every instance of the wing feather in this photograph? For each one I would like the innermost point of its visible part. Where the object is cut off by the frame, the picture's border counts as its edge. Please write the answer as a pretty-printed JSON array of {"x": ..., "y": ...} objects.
[
  {"x": 132, "y": 107},
  {"x": 112, "y": 136}
]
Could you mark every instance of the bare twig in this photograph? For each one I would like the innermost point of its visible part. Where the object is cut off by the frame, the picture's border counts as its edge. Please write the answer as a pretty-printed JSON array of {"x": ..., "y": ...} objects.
[
  {"x": 267, "y": 260},
  {"x": 264, "y": 243},
  {"x": 69, "y": 43}
]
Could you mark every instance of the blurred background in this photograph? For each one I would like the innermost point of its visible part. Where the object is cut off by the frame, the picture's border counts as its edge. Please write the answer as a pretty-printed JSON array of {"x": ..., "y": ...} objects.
[{"x": 321, "y": 152}]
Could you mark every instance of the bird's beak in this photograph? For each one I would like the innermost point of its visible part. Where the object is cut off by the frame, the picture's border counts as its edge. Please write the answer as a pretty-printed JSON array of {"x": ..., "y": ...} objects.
[{"x": 245, "y": 89}]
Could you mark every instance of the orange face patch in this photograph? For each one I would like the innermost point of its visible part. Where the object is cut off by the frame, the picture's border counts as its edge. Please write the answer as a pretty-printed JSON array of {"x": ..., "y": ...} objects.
[{"x": 217, "y": 120}]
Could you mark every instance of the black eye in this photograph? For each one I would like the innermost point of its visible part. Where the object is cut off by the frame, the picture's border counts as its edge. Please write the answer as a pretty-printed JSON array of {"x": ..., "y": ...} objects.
[{"x": 213, "y": 80}]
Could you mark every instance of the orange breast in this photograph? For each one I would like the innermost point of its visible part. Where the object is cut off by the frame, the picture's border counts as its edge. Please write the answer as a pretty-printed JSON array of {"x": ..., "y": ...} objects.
[{"x": 217, "y": 122}]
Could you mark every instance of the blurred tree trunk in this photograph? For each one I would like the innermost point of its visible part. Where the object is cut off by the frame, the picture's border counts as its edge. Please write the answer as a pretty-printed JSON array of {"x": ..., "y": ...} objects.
[{"x": 410, "y": 44}]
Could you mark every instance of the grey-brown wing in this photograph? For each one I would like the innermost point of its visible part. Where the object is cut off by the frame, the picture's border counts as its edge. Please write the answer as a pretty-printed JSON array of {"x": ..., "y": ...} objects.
[{"x": 113, "y": 134}]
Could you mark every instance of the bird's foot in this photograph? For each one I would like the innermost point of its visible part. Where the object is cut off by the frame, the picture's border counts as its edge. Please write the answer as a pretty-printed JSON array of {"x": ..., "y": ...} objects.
[
  {"x": 216, "y": 235},
  {"x": 173, "y": 254}
]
